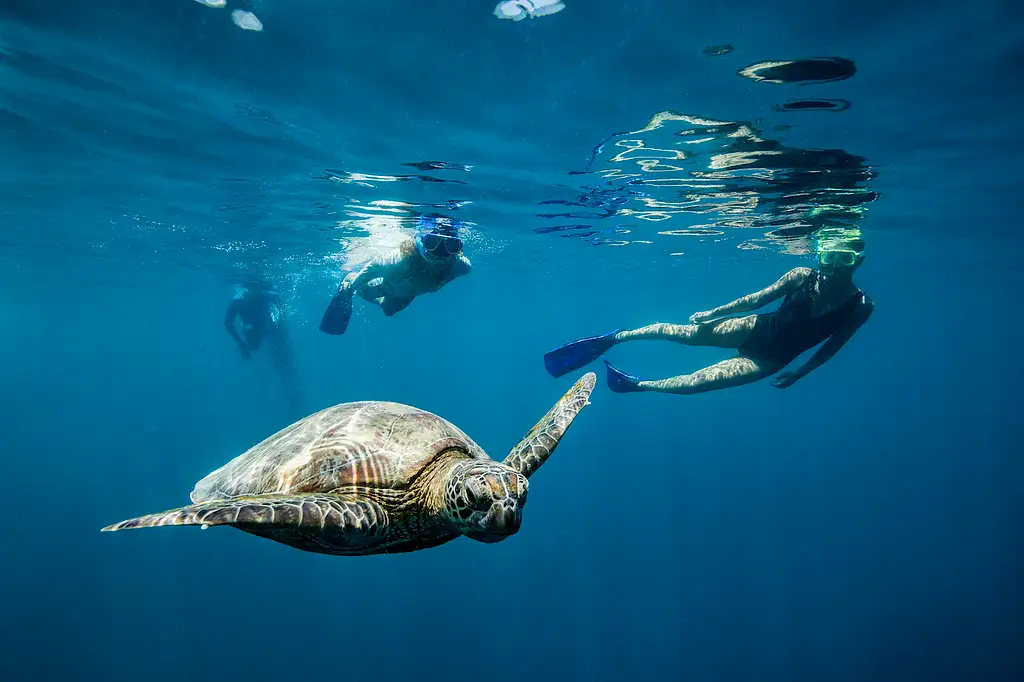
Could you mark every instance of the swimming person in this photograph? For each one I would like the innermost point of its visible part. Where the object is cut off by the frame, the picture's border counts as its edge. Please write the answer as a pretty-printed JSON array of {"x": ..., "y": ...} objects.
[
  {"x": 419, "y": 265},
  {"x": 819, "y": 305},
  {"x": 261, "y": 312}
]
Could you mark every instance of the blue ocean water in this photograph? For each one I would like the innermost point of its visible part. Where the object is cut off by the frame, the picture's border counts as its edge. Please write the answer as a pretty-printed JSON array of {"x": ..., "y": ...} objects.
[{"x": 607, "y": 171}]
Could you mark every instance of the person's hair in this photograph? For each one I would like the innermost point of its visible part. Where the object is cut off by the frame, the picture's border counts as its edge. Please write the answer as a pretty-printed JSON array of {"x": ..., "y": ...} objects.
[
  {"x": 842, "y": 245},
  {"x": 408, "y": 246},
  {"x": 840, "y": 239}
]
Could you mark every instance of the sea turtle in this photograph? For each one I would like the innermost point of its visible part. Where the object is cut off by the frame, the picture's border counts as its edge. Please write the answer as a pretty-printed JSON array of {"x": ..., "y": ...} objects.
[{"x": 373, "y": 478}]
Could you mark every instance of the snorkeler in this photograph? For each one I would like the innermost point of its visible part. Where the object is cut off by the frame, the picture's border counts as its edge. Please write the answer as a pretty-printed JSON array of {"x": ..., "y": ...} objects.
[
  {"x": 419, "y": 265},
  {"x": 261, "y": 312},
  {"x": 819, "y": 304}
]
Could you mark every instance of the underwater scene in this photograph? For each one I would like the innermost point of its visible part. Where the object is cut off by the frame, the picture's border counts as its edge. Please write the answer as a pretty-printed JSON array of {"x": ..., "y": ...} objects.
[{"x": 510, "y": 340}]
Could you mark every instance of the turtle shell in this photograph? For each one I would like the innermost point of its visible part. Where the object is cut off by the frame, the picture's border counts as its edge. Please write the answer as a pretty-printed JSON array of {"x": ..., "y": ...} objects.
[{"x": 372, "y": 444}]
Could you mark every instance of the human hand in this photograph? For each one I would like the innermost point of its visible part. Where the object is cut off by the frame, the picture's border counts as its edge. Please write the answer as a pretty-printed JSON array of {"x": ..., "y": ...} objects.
[
  {"x": 701, "y": 318},
  {"x": 245, "y": 351},
  {"x": 785, "y": 380}
]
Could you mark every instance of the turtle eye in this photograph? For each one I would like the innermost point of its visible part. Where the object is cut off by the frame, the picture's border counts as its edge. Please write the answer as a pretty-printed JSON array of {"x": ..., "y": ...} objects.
[{"x": 470, "y": 497}]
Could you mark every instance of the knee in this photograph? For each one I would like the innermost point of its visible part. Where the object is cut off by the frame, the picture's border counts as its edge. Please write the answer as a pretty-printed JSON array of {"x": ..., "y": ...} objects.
[{"x": 700, "y": 332}]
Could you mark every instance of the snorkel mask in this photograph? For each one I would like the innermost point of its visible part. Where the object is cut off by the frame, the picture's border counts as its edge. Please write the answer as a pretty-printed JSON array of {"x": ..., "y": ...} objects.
[
  {"x": 838, "y": 257},
  {"x": 438, "y": 247},
  {"x": 840, "y": 247}
]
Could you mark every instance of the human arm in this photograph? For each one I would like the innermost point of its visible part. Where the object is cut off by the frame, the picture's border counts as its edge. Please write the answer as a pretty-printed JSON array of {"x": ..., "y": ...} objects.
[
  {"x": 381, "y": 265},
  {"x": 785, "y": 284},
  {"x": 462, "y": 266},
  {"x": 829, "y": 348},
  {"x": 358, "y": 279},
  {"x": 229, "y": 323}
]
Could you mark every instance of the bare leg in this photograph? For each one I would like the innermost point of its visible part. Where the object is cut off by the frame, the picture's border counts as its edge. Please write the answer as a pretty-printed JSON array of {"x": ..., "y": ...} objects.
[
  {"x": 729, "y": 333},
  {"x": 726, "y": 374}
]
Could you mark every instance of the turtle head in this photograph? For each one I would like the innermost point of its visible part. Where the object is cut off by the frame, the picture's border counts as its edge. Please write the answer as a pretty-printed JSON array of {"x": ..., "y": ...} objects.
[{"x": 485, "y": 499}]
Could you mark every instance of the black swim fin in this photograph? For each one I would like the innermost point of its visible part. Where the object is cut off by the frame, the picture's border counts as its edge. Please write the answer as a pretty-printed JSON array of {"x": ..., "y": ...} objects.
[
  {"x": 573, "y": 356},
  {"x": 338, "y": 313}
]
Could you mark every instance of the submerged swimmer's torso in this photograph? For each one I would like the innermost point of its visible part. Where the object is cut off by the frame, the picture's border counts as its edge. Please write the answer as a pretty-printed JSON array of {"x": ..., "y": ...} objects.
[
  {"x": 259, "y": 313},
  {"x": 798, "y": 324},
  {"x": 410, "y": 279}
]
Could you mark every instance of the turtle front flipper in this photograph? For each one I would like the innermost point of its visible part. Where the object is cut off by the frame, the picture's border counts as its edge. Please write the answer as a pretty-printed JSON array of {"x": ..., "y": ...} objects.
[
  {"x": 268, "y": 512},
  {"x": 537, "y": 445}
]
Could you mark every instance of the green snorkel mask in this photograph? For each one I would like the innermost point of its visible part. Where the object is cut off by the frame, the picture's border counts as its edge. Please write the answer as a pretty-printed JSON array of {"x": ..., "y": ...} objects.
[
  {"x": 836, "y": 256},
  {"x": 840, "y": 246}
]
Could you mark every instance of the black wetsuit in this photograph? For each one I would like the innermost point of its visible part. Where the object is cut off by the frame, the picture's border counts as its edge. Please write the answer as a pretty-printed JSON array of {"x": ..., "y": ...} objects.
[
  {"x": 260, "y": 313},
  {"x": 782, "y": 335}
]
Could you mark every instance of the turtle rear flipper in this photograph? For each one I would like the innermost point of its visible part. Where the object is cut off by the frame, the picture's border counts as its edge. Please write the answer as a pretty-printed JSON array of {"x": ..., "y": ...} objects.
[
  {"x": 538, "y": 444},
  {"x": 300, "y": 512}
]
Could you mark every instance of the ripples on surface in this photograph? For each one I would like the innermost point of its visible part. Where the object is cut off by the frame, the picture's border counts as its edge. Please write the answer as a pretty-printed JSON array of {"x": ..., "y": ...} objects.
[
  {"x": 167, "y": 174},
  {"x": 688, "y": 176},
  {"x": 809, "y": 70}
]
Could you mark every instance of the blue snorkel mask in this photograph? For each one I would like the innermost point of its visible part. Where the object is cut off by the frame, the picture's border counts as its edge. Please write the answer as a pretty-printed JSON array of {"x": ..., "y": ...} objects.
[{"x": 438, "y": 247}]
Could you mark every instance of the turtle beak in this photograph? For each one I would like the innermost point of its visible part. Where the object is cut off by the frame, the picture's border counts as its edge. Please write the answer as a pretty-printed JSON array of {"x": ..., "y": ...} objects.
[
  {"x": 503, "y": 520},
  {"x": 498, "y": 498}
]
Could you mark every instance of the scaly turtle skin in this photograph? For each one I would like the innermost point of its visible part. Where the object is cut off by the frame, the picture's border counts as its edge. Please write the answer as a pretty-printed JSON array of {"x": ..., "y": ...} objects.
[{"x": 374, "y": 478}]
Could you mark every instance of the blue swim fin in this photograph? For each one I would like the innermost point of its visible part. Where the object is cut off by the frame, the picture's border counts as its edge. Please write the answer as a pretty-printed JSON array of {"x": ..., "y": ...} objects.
[
  {"x": 573, "y": 356},
  {"x": 338, "y": 313},
  {"x": 620, "y": 382}
]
